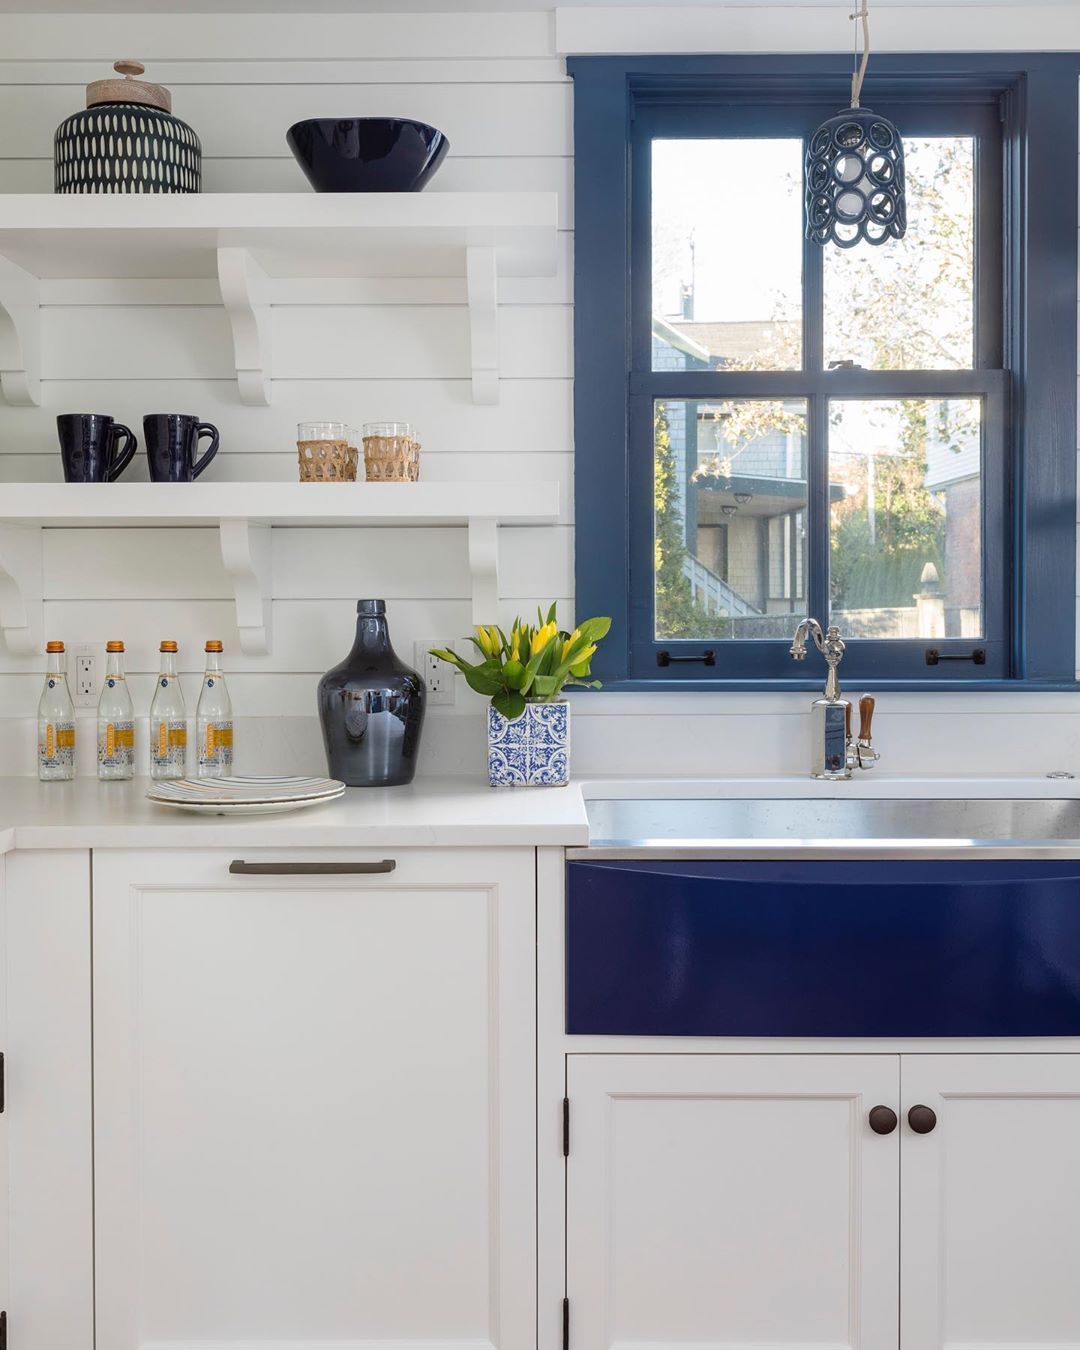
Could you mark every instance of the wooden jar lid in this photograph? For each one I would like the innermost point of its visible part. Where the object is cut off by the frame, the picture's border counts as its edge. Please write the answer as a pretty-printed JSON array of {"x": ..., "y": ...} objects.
[{"x": 128, "y": 90}]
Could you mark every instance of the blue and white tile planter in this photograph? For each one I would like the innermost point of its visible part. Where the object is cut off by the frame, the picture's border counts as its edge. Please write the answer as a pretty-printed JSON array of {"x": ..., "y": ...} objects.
[{"x": 532, "y": 750}]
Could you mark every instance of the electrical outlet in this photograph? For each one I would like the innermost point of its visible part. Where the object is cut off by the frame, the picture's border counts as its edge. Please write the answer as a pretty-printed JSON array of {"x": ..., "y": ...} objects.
[
  {"x": 87, "y": 684},
  {"x": 437, "y": 675}
]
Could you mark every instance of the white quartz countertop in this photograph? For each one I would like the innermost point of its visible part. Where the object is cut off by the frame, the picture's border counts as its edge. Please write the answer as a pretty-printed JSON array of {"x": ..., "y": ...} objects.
[{"x": 434, "y": 812}]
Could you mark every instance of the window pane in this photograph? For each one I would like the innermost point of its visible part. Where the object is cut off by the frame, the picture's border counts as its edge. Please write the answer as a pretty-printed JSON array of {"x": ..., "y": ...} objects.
[
  {"x": 730, "y": 517},
  {"x": 906, "y": 513},
  {"x": 726, "y": 289},
  {"x": 909, "y": 304}
]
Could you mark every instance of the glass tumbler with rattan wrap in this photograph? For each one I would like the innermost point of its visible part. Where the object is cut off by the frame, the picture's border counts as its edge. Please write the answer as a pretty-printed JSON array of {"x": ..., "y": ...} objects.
[
  {"x": 325, "y": 454},
  {"x": 391, "y": 452}
]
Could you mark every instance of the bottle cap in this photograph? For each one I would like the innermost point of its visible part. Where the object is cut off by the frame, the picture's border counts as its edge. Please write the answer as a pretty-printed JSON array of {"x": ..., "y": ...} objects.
[
  {"x": 114, "y": 646},
  {"x": 168, "y": 646},
  {"x": 54, "y": 646},
  {"x": 371, "y": 608},
  {"x": 214, "y": 646}
]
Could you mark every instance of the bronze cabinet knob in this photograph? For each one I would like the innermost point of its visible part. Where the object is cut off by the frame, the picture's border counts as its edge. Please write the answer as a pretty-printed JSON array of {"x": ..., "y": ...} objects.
[{"x": 882, "y": 1119}]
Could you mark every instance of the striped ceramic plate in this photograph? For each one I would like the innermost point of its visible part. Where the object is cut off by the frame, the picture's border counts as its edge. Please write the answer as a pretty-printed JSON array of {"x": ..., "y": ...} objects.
[{"x": 225, "y": 792}]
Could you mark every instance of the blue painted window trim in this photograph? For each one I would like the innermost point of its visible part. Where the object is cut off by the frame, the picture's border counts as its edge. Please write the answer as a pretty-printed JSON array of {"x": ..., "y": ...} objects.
[{"x": 1030, "y": 510}]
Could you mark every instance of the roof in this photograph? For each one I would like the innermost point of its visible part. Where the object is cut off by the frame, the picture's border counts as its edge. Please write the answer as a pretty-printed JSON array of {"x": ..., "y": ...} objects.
[{"x": 676, "y": 337}]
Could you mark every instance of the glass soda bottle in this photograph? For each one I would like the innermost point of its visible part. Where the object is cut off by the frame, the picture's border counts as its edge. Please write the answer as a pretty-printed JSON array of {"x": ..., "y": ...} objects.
[
  {"x": 168, "y": 720},
  {"x": 213, "y": 719},
  {"x": 56, "y": 720},
  {"x": 116, "y": 721}
]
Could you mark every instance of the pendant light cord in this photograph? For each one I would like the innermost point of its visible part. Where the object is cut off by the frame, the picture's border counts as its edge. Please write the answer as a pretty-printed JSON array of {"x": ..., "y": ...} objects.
[{"x": 859, "y": 74}]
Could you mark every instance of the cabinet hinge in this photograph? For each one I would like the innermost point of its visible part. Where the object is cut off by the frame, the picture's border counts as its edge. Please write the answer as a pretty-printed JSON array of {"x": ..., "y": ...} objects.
[
  {"x": 565, "y": 1325},
  {"x": 2, "y": 1098},
  {"x": 3, "y": 1331},
  {"x": 566, "y": 1127}
]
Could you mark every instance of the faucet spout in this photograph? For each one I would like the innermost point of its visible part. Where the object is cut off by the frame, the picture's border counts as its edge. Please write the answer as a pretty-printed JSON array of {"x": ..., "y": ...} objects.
[
  {"x": 829, "y": 643},
  {"x": 798, "y": 643}
]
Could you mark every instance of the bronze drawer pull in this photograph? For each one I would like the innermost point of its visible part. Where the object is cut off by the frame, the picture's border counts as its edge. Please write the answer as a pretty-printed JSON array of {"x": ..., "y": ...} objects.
[{"x": 309, "y": 869}]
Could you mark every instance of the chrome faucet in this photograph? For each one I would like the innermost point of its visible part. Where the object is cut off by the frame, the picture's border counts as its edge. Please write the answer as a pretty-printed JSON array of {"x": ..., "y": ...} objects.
[{"x": 835, "y": 751}]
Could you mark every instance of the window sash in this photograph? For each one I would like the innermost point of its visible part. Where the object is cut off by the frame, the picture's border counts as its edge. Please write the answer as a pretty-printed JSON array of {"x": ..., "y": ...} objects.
[
  {"x": 981, "y": 120},
  {"x": 744, "y": 658},
  {"x": 905, "y": 658}
]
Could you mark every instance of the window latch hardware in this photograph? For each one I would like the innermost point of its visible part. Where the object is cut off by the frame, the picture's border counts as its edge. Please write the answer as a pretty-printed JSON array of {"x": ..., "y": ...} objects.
[
  {"x": 934, "y": 657},
  {"x": 706, "y": 658}
]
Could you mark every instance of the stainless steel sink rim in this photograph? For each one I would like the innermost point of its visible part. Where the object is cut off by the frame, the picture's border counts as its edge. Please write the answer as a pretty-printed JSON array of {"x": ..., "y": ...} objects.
[{"x": 856, "y": 828}]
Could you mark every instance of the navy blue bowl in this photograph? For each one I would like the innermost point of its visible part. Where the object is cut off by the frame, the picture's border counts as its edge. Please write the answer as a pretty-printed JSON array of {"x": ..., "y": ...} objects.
[{"x": 367, "y": 154}]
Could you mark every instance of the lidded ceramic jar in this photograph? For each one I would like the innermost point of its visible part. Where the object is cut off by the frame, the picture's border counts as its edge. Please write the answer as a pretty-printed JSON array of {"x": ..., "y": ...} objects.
[{"x": 126, "y": 140}]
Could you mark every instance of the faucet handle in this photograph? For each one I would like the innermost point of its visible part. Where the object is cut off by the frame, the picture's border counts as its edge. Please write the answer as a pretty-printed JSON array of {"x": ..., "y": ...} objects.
[
  {"x": 847, "y": 723},
  {"x": 866, "y": 716}
]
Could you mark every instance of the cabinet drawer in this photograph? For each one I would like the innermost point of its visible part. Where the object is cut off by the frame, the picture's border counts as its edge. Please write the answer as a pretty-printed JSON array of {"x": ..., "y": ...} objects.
[{"x": 823, "y": 949}]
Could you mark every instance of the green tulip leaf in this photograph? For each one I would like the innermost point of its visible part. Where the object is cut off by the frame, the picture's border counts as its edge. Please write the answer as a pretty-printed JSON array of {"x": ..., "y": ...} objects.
[
  {"x": 484, "y": 679},
  {"x": 510, "y": 703}
]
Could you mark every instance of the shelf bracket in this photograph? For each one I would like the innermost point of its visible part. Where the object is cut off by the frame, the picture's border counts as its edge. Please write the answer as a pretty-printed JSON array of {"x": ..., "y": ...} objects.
[
  {"x": 246, "y": 296},
  {"x": 245, "y": 552},
  {"x": 482, "y": 286},
  {"x": 21, "y": 608},
  {"x": 20, "y": 335},
  {"x": 484, "y": 568}
]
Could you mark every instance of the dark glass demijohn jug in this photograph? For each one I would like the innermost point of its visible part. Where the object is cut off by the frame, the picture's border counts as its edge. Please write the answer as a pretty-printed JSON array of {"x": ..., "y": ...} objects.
[{"x": 372, "y": 708}]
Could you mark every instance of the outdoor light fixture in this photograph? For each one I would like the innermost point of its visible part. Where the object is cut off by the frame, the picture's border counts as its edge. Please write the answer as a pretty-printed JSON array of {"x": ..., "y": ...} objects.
[{"x": 855, "y": 170}]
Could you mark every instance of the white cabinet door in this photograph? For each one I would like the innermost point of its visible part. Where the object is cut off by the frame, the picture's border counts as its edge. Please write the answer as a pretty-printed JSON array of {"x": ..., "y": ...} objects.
[
  {"x": 46, "y": 1167},
  {"x": 991, "y": 1202},
  {"x": 315, "y": 1103},
  {"x": 730, "y": 1201}
]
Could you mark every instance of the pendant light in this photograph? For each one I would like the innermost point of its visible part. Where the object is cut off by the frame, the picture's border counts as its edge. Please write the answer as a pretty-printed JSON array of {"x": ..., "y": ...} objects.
[{"x": 855, "y": 170}]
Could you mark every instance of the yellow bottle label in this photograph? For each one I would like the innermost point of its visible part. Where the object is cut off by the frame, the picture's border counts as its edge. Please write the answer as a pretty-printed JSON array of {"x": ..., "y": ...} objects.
[
  {"x": 56, "y": 745},
  {"x": 163, "y": 740},
  {"x": 116, "y": 743},
  {"x": 216, "y": 745}
]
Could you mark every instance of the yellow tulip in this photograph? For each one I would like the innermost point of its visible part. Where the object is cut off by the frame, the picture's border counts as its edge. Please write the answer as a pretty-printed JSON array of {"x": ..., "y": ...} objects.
[
  {"x": 483, "y": 639},
  {"x": 496, "y": 641},
  {"x": 542, "y": 637},
  {"x": 569, "y": 642},
  {"x": 515, "y": 645}
]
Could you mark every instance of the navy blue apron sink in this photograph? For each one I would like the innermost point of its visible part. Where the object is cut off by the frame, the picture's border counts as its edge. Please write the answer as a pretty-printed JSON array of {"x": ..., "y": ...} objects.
[{"x": 849, "y": 949}]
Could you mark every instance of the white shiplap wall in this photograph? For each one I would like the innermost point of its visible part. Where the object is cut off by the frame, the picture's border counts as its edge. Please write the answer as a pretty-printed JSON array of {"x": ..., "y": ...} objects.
[{"x": 496, "y": 85}]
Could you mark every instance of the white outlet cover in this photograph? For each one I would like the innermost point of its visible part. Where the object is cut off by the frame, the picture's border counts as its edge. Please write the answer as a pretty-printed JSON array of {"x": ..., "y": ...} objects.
[
  {"x": 97, "y": 659},
  {"x": 436, "y": 674}
]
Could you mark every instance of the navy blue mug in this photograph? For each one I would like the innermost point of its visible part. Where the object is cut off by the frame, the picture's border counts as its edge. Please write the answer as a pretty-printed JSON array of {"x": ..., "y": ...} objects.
[
  {"x": 172, "y": 446},
  {"x": 90, "y": 446}
]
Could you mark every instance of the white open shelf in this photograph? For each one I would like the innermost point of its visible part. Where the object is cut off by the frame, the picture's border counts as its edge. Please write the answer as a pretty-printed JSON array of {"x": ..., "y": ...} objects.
[
  {"x": 244, "y": 514},
  {"x": 245, "y": 239}
]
